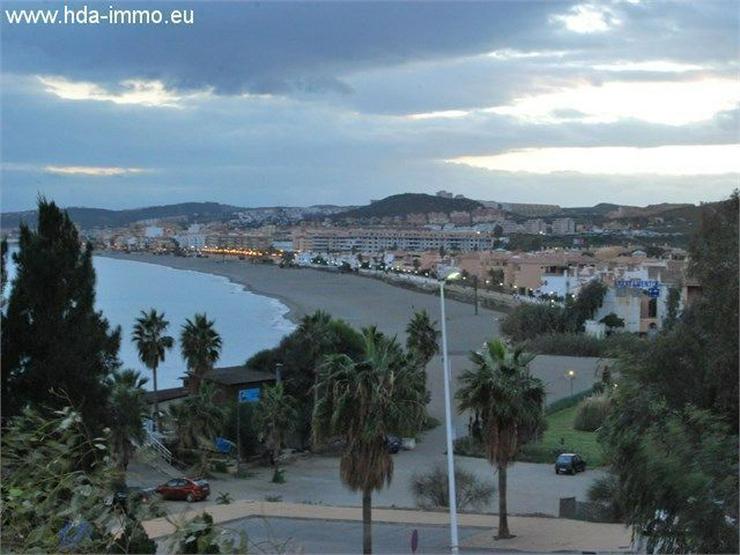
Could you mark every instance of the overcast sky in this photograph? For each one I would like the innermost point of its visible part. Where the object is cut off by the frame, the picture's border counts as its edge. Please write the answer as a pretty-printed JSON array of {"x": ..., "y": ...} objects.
[{"x": 260, "y": 104}]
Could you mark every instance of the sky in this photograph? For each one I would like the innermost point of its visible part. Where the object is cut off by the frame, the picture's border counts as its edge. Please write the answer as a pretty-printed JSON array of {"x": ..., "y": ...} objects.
[{"x": 263, "y": 104}]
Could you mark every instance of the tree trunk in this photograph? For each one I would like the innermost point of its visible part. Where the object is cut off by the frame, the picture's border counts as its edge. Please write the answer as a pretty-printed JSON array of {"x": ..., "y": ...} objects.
[
  {"x": 503, "y": 519},
  {"x": 155, "y": 420},
  {"x": 367, "y": 521}
]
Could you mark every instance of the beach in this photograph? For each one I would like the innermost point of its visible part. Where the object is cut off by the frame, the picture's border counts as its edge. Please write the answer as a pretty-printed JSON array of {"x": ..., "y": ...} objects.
[{"x": 358, "y": 300}]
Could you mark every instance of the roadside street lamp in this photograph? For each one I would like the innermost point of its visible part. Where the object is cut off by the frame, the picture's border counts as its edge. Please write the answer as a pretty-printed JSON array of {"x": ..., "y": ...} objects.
[
  {"x": 571, "y": 375},
  {"x": 448, "y": 415}
]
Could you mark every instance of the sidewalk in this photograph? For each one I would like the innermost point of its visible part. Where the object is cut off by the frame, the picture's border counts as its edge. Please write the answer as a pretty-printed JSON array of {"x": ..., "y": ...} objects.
[{"x": 538, "y": 534}]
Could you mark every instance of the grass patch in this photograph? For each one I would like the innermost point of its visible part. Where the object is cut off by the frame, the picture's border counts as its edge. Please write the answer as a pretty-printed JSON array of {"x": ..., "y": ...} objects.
[
  {"x": 559, "y": 427},
  {"x": 560, "y": 436}
]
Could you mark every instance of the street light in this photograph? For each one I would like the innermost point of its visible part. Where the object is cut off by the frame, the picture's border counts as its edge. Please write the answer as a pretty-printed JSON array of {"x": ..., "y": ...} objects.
[
  {"x": 571, "y": 375},
  {"x": 448, "y": 415}
]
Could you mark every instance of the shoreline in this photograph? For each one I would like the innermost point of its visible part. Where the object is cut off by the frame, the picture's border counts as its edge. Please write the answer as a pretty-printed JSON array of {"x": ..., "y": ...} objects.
[{"x": 360, "y": 302}]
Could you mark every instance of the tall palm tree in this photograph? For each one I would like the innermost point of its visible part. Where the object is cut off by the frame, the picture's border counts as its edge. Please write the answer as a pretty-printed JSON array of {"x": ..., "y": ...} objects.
[
  {"x": 510, "y": 403},
  {"x": 362, "y": 403},
  {"x": 152, "y": 344},
  {"x": 276, "y": 416},
  {"x": 197, "y": 421},
  {"x": 422, "y": 337},
  {"x": 200, "y": 344},
  {"x": 128, "y": 408}
]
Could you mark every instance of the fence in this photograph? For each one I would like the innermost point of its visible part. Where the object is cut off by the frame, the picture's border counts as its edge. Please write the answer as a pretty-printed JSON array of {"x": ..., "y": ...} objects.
[{"x": 571, "y": 508}]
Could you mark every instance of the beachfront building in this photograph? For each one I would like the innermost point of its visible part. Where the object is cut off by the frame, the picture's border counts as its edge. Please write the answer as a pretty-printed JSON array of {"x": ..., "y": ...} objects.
[
  {"x": 372, "y": 240},
  {"x": 239, "y": 241}
]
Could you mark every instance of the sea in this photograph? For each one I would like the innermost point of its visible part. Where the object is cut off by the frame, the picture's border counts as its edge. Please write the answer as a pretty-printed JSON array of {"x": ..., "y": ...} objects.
[{"x": 247, "y": 322}]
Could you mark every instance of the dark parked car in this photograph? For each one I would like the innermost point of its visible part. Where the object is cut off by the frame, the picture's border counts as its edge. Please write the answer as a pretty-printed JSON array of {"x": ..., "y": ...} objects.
[
  {"x": 189, "y": 489},
  {"x": 127, "y": 495},
  {"x": 570, "y": 463},
  {"x": 393, "y": 443}
]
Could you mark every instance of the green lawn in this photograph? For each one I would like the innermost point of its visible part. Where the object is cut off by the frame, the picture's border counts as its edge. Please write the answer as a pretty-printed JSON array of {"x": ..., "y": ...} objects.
[{"x": 560, "y": 426}]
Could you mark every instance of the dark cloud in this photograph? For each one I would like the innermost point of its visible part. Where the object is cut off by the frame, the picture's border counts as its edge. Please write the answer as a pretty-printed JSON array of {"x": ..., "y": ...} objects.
[
  {"x": 268, "y": 47},
  {"x": 341, "y": 75}
]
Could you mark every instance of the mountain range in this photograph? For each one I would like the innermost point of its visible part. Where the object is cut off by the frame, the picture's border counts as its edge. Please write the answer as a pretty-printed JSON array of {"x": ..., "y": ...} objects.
[{"x": 392, "y": 206}]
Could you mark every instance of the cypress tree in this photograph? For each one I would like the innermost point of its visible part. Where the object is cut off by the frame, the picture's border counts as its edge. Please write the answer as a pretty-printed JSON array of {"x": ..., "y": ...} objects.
[{"x": 56, "y": 348}]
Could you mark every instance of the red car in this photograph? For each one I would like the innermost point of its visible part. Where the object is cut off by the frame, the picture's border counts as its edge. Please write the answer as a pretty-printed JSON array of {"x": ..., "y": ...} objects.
[{"x": 189, "y": 489}]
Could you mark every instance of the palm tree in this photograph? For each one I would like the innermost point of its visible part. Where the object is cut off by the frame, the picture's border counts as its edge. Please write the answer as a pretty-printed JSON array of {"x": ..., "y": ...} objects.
[
  {"x": 201, "y": 346},
  {"x": 152, "y": 345},
  {"x": 510, "y": 403},
  {"x": 276, "y": 416},
  {"x": 128, "y": 408},
  {"x": 197, "y": 420},
  {"x": 362, "y": 403},
  {"x": 422, "y": 337}
]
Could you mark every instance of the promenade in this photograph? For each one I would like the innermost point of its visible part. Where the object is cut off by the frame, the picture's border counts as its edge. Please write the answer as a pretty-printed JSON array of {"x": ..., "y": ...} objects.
[{"x": 533, "y": 534}]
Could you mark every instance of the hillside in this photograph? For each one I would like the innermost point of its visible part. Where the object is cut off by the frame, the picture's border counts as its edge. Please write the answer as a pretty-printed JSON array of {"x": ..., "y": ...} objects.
[
  {"x": 99, "y": 217},
  {"x": 409, "y": 203}
]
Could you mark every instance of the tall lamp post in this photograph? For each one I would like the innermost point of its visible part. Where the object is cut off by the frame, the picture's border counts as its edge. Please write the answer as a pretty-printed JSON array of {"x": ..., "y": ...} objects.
[
  {"x": 448, "y": 416},
  {"x": 571, "y": 375}
]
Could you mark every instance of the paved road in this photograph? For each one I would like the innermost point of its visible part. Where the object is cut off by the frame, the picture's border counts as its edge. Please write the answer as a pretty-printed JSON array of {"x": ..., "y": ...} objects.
[{"x": 533, "y": 488}]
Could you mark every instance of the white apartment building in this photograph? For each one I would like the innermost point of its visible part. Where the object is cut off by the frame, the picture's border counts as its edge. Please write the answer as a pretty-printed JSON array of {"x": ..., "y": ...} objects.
[
  {"x": 535, "y": 226},
  {"x": 563, "y": 226},
  {"x": 378, "y": 240},
  {"x": 191, "y": 241}
]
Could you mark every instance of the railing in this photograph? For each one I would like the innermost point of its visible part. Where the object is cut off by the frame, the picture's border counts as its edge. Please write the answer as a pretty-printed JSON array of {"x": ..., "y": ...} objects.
[{"x": 158, "y": 446}]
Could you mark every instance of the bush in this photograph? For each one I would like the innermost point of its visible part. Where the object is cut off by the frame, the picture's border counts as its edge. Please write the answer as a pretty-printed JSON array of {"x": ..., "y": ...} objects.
[
  {"x": 592, "y": 413},
  {"x": 468, "y": 446},
  {"x": 431, "y": 489},
  {"x": 566, "y": 344},
  {"x": 579, "y": 344},
  {"x": 527, "y": 321},
  {"x": 623, "y": 343},
  {"x": 605, "y": 493},
  {"x": 567, "y": 402}
]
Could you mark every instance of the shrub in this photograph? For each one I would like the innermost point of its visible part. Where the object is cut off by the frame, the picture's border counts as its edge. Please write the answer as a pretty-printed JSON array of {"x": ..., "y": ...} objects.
[
  {"x": 431, "y": 489},
  {"x": 567, "y": 344},
  {"x": 527, "y": 321},
  {"x": 579, "y": 344},
  {"x": 567, "y": 402},
  {"x": 469, "y": 446},
  {"x": 611, "y": 320},
  {"x": 605, "y": 493},
  {"x": 623, "y": 343},
  {"x": 224, "y": 498},
  {"x": 592, "y": 413}
]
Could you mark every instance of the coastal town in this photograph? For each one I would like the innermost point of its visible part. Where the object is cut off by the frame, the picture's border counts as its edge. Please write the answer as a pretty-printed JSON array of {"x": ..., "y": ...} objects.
[
  {"x": 426, "y": 277},
  {"x": 638, "y": 253}
]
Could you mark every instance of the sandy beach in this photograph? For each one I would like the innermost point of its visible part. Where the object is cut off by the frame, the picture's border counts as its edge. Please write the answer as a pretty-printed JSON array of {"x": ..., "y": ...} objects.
[{"x": 358, "y": 300}]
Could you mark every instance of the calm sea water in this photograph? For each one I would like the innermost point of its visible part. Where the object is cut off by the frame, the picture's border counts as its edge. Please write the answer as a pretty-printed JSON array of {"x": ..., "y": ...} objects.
[{"x": 247, "y": 322}]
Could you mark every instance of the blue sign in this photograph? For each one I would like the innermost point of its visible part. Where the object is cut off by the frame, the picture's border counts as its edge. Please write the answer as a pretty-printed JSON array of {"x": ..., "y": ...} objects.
[
  {"x": 251, "y": 395},
  {"x": 654, "y": 292},
  {"x": 638, "y": 283}
]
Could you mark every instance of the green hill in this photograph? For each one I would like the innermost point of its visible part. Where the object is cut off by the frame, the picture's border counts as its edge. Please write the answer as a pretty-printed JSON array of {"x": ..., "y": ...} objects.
[{"x": 409, "y": 203}]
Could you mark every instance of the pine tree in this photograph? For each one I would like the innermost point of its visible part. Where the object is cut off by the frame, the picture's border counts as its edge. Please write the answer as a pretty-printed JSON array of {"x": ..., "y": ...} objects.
[{"x": 57, "y": 350}]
